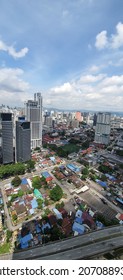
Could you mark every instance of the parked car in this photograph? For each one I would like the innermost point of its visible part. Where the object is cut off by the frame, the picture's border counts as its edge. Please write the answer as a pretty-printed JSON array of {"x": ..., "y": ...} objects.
[
  {"x": 114, "y": 202},
  {"x": 103, "y": 200},
  {"x": 78, "y": 201}
]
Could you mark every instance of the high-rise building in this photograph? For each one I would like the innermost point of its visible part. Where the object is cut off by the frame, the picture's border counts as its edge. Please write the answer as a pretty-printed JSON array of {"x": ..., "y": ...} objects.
[
  {"x": 33, "y": 112},
  {"x": 94, "y": 119},
  {"x": 22, "y": 140},
  {"x": 102, "y": 131},
  {"x": 6, "y": 128},
  {"x": 78, "y": 116}
]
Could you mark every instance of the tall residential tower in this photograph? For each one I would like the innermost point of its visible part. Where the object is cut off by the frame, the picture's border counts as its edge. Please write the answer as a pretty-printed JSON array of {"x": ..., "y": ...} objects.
[
  {"x": 33, "y": 113},
  {"x": 102, "y": 131}
]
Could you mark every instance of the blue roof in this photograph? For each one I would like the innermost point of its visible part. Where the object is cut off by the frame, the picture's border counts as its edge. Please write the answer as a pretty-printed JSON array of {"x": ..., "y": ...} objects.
[
  {"x": 46, "y": 174},
  {"x": 112, "y": 178},
  {"x": 31, "y": 211},
  {"x": 64, "y": 142},
  {"x": 24, "y": 240},
  {"x": 99, "y": 224},
  {"x": 61, "y": 167},
  {"x": 79, "y": 213},
  {"x": 39, "y": 237},
  {"x": 34, "y": 203},
  {"x": 24, "y": 246},
  {"x": 79, "y": 228},
  {"x": 38, "y": 228},
  {"x": 73, "y": 167},
  {"x": 24, "y": 181},
  {"x": 78, "y": 220},
  {"x": 101, "y": 183},
  {"x": 1, "y": 201},
  {"x": 47, "y": 225},
  {"x": 53, "y": 159},
  {"x": 119, "y": 200},
  {"x": 58, "y": 214}
]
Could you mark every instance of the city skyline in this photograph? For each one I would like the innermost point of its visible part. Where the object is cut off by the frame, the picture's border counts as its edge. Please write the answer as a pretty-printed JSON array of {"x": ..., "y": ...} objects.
[{"x": 71, "y": 51}]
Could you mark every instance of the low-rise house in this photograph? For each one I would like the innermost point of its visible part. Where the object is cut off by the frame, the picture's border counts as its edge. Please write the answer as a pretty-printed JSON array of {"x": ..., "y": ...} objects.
[
  {"x": 67, "y": 226},
  {"x": 24, "y": 241},
  {"x": 45, "y": 226},
  {"x": 63, "y": 212},
  {"x": 52, "y": 219},
  {"x": 57, "y": 213},
  {"x": 21, "y": 210},
  {"x": 77, "y": 228}
]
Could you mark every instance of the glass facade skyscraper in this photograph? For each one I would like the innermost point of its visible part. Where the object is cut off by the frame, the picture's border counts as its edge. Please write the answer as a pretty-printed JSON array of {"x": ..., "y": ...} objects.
[
  {"x": 23, "y": 141},
  {"x": 6, "y": 137}
]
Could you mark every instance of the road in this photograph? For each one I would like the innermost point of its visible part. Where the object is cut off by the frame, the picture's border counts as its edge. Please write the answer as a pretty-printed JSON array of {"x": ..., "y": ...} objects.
[
  {"x": 87, "y": 251},
  {"x": 71, "y": 243}
]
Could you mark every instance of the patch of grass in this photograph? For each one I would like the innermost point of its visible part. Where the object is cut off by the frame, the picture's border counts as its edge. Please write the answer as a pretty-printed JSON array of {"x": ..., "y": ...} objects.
[
  {"x": 71, "y": 148},
  {"x": 5, "y": 248}
]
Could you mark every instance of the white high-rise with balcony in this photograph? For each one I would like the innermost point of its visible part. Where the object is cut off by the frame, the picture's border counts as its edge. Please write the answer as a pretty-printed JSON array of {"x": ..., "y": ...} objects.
[
  {"x": 33, "y": 113},
  {"x": 103, "y": 126}
]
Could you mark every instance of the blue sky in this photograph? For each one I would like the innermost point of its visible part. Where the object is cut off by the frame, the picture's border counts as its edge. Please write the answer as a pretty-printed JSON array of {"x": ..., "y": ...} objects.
[{"x": 70, "y": 50}]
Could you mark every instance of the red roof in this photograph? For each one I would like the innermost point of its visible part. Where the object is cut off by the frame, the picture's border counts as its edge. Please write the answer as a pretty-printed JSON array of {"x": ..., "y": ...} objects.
[
  {"x": 49, "y": 179},
  {"x": 67, "y": 226},
  {"x": 121, "y": 217},
  {"x": 52, "y": 219}
]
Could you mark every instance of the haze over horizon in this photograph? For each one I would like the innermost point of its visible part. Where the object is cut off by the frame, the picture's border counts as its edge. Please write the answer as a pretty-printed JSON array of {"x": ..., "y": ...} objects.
[{"x": 71, "y": 51}]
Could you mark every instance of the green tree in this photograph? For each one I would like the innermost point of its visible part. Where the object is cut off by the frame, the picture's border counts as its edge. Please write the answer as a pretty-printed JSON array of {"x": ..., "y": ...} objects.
[
  {"x": 8, "y": 235},
  {"x": 85, "y": 144},
  {"x": 13, "y": 197},
  {"x": 119, "y": 152},
  {"x": 20, "y": 193},
  {"x": 47, "y": 211},
  {"x": 62, "y": 204},
  {"x": 56, "y": 193},
  {"x": 103, "y": 178},
  {"x": 40, "y": 203},
  {"x": 30, "y": 165},
  {"x": 46, "y": 202},
  {"x": 37, "y": 149},
  {"x": 59, "y": 205},
  {"x": 14, "y": 217},
  {"x": 61, "y": 152},
  {"x": 16, "y": 181},
  {"x": 85, "y": 171},
  {"x": 36, "y": 182},
  {"x": 56, "y": 233},
  {"x": 105, "y": 169},
  {"x": 93, "y": 177},
  {"x": 83, "y": 177}
]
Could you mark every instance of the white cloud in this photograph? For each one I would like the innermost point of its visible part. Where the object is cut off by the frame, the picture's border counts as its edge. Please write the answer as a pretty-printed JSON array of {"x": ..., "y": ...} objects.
[
  {"x": 101, "y": 40},
  {"x": 11, "y": 50},
  {"x": 94, "y": 69},
  {"x": 94, "y": 92},
  {"x": 115, "y": 41},
  {"x": 91, "y": 78},
  {"x": 66, "y": 87},
  {"x": 13, "y": 89}
]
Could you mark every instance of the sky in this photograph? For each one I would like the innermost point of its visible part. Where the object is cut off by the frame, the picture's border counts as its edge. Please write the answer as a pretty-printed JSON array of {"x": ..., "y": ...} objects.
[{"x": 69, "y": 50}]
